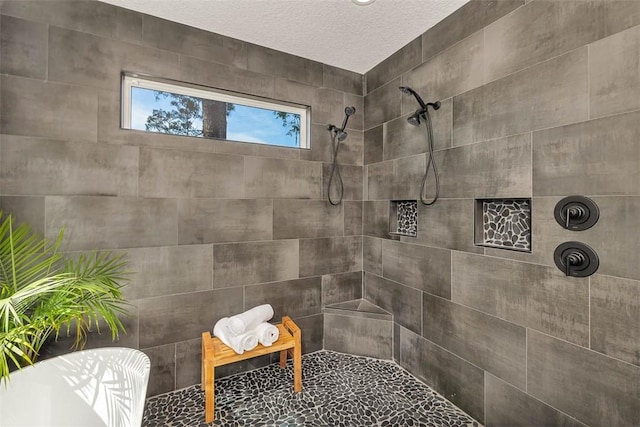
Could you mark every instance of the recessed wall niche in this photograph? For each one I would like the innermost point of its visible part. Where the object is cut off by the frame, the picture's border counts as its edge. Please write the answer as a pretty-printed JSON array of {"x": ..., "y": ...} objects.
[
  {"x": 403, "y": 218},
  {"x": 503, "y": 224}
]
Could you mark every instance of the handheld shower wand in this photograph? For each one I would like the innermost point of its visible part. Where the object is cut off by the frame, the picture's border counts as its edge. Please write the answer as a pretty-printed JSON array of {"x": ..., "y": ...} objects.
[
  {"x": 339, "y": 131},
  {"x": 337, "y": 136},
  {"x": 414, "y": 120}
]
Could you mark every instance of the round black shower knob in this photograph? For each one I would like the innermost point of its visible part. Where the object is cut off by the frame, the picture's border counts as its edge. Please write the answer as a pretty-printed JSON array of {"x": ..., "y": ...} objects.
[
  {"x": 576, "y": 259},
  {"x": 576, "y": 213}
]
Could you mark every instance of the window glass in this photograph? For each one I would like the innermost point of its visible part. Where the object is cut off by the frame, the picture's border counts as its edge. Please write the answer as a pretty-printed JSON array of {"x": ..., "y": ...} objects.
[{"x": 161, "y": 107}]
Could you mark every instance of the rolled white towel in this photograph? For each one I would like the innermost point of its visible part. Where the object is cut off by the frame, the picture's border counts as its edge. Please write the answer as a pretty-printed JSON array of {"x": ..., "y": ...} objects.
[
  {"x": 240, "y": 323},
  {"x": 267, "y": 334},
  {"x": 239, "y": 343}
]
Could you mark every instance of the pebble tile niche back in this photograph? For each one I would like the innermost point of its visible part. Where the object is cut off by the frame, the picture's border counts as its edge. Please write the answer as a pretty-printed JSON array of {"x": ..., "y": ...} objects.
[{"x": 503, "y": 224}]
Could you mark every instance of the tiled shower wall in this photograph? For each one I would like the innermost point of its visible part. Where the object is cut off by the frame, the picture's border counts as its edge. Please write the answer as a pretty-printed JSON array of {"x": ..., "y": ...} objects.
[
  {"x": 539, "y": 99},
  {"x": 211, "y": 227}
]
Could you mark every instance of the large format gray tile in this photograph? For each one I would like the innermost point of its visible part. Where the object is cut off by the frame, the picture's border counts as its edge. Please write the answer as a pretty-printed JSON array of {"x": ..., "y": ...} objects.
[
  {"x": 421, "y": 267},
  {"x": 293, "y": 298},
  {"x": 373, "y": 145},
  {"x": 556, "y": 94},
  {"x": 539, "y": 31},
  {"x": 296, "y": 219},
  {"x": 189, "y": 363},
  {"x": 169, "y": 270},
  {"x": 327, "y": 107},
  {"x": 620, "y": 15},
  {"x": 490, "y": 343},
  {"x": 380, "y": 180},
  {"x": 506, "y": 406},
  {"x": 90, "y": 17},
  {"x": 31, "y": 166},
  {"x": 530, "y": 295},
  {"x": 163, "y": 369},
  {"x": 269, "y": 61},
  {"x": 356, "y": 121},
  {"x": 408, "y": 173},
  {"x": 172, "y": 318},
  {"x": 224, "y": 220},
  {"x": 447, "y": 224},
  {"x": 351, "y": 181},
  {"x": 23, "y": 48},
  {"x": 36, "y": 108},
  {"x": 615, "y": 317},
  {"x": 357, "y": 335},
  {"x": 404, "y": 302},
  {"x": 342, "y": 80},
  {"x": 498, "y": 168},
  {"x": 111, "y": 222},
  {"x": 178, "y": 38},
  {"x": 265, "y": 178},
  {"x": 352, "y": 218},
  {"x": 171, "y": 173},
  {"x": 614, "y": 74},
  {"x": 465, "y": 21},
  {"x": 312, "y": 328},
  {"x": 237, "y": 264},
  {"x": 452, "y": 72},
  {"x": 456, "y": 379},
  {"x": 402, "y": 139},
  {"x": 330, "y": 255},
  {"x": 375, "y": 218},
  {"x": 400, "y": 61},
  {"x": 372, "y": 255},
  {"x": 73, "y": 59},
  {"x": 341, "y": 287},
  {"x": 593, "y": 388},
  {"x": 293, "y": 91},
  {"x": 382, "y": 104},
  {"x": 611, "y": 238},
  {"x": 595, "y": 157},
  {"x": 25, "y": 209},
  {"x": 194, "y": 70}
]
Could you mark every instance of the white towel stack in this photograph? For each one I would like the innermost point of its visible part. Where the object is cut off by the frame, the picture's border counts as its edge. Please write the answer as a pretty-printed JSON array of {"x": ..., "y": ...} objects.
[{"x": 243, "y": 331}]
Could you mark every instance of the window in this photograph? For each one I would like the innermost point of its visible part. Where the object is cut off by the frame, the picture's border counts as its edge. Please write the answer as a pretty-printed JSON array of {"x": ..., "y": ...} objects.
[{"x": 162, "y": 106}]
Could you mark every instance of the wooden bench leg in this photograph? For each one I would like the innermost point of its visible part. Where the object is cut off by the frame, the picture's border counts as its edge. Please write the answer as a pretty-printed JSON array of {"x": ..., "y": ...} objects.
[
  {"x": 297, "y": 363},
  {"x": 283, "y": 358},
  {"x": 202, "y": 367},
  {"x": 209, "y": 391}
]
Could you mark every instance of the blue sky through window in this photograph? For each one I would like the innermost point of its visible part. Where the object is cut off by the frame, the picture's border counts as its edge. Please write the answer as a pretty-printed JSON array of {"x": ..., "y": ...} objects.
[{"x": 244, "y": 123}]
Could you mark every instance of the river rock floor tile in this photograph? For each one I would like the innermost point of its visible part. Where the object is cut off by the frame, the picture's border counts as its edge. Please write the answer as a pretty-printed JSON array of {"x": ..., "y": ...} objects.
[{"x": 338, "y": 390}]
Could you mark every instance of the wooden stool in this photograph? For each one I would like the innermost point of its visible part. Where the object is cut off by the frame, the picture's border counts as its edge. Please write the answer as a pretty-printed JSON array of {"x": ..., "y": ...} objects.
[{"x": 216, "y": 353}]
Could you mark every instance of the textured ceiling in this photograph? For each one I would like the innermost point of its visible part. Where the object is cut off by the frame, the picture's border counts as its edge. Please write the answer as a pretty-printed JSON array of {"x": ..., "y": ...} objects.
[{"x": 335, "y": 32}]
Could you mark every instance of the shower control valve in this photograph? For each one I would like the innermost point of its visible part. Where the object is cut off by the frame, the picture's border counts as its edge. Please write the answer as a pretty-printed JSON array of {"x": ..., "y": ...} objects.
[
  {"x": 576, "y": 213},
  {"x": 576, "y": 259}
]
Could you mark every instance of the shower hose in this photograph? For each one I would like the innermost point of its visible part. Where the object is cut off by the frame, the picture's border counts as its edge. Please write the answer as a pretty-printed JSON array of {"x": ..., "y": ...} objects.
[
  {"x": 431, "y": 164},
  {"x": 335, "y": 170}
]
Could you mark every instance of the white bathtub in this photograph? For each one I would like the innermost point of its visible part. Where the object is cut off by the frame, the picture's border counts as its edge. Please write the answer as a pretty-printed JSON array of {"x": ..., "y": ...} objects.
[{"x": 101, "y": 387}]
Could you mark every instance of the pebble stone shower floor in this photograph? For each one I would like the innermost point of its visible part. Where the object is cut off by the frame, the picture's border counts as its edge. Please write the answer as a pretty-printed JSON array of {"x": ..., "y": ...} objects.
[{"x": 338, "y": 390}]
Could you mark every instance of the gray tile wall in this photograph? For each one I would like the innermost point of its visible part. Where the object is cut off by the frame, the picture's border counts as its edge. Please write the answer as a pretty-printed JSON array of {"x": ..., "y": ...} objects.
[
  {"x": 211, "y": 227},
  {"x": 539, "y": 99}
]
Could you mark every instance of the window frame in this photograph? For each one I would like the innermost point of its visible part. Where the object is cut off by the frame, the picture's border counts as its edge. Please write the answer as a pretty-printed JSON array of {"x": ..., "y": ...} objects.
[{"x": 131, "y": 80}]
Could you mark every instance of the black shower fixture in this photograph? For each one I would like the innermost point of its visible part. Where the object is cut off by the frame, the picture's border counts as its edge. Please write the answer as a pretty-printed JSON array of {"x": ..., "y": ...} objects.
[
  {"x": 337, "y": 136},
  {"x": 414, "y": 119},
  {"x": 341, "y": 135}
]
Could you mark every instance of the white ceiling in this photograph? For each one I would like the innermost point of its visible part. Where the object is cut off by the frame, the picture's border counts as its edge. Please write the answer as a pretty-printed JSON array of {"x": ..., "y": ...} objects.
[{"x": 335, "y": 32}]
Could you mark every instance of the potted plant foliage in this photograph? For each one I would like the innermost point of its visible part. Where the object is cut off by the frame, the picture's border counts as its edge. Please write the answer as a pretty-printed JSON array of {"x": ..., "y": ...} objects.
[{"x": 42, "y": 294}]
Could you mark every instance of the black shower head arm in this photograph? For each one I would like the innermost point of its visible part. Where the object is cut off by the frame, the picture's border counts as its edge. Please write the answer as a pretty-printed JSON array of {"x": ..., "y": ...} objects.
[{"x": 408, "y": 91}]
